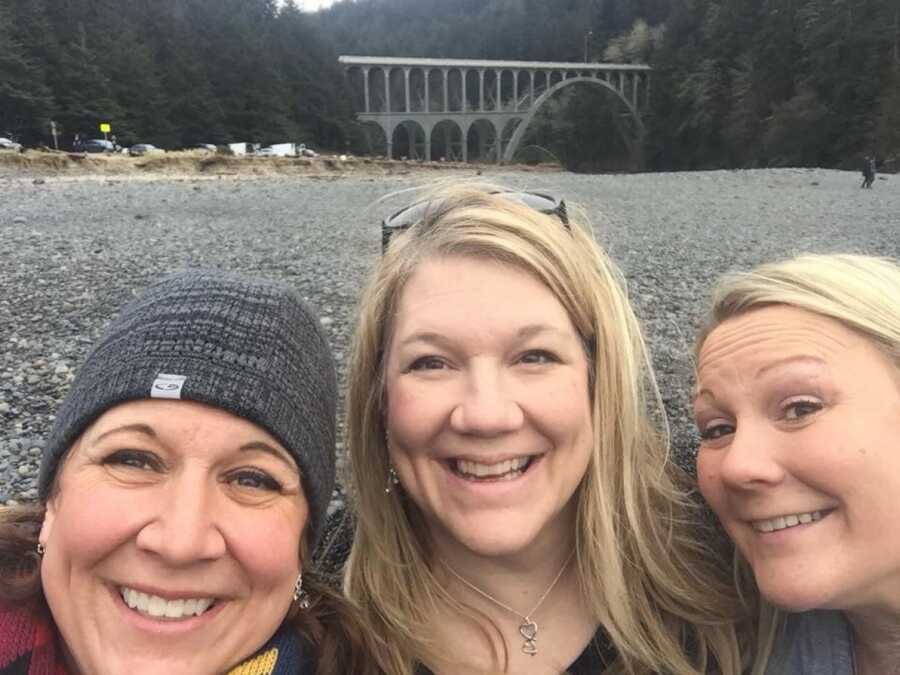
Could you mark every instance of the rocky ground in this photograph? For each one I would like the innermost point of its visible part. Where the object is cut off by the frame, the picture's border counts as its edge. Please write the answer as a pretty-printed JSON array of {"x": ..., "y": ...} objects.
[{"x": 73, "y": 249}]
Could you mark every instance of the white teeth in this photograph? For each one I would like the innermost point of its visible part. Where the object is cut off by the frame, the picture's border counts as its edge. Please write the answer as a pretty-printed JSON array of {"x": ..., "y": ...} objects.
[
  {"x": 784, "y": 522},
  {"x": 506, "y": 470},
  {"x": 157, "y": 607},
  {"x": 175, "y": 610}
]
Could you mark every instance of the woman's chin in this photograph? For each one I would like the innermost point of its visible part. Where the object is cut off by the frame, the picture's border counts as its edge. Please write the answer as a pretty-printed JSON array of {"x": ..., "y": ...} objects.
[
  {"x": 138, "y": 664},
  {"x": 795, "y": 597},
  {"x": 495, "y": 539}
]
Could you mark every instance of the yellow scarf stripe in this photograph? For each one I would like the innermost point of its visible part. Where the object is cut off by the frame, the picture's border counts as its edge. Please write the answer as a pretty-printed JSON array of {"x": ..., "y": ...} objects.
[{"x": 264, "y": 664}]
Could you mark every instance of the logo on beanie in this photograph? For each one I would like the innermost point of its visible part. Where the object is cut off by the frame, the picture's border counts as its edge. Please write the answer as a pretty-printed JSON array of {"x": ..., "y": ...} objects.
[{"x": 167, "y": 386}]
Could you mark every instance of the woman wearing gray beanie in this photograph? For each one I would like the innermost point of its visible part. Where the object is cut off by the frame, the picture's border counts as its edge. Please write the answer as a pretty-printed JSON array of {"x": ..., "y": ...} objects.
[{"x": 182, "y": 489}]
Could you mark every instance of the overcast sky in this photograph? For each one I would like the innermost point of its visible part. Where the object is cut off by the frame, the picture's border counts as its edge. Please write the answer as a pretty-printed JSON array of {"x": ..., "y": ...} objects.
[{"x": 313, "y": 5}]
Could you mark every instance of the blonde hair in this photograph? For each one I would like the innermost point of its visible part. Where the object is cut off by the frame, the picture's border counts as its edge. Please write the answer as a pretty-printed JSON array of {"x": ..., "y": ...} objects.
[
  {"x": 860, "y": 292},
  {"x": 653, "y": 582}
]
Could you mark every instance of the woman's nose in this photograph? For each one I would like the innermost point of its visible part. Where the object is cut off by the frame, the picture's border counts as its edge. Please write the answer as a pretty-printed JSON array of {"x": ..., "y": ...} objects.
[
  {"x": 185, "y": 525},
  {"x": 751, "y": 460},
  {"x": 488, "y": 405}
]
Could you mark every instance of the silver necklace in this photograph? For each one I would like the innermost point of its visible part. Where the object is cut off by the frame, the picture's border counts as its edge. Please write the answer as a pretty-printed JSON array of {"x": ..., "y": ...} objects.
[{"x": 528, "y": 629}]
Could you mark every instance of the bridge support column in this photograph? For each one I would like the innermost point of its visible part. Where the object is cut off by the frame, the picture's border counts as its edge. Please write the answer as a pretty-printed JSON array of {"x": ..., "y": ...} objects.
[
  {"x": 365, "y": 72},
  {"x": 462, "y": 74},
  {"x": 499, "y": 76},
  {"x": 389, "y": 138},
  {"x": 515, "y": 91},
  {"x": 406, "y": 87},
  {"x": 634, "y": 90},
  {"x": 427, "y": 72},
  {"x": 387, "y": 91},
  {"x": 446, "y": 97},
  {"x": 481, "y": 89}
]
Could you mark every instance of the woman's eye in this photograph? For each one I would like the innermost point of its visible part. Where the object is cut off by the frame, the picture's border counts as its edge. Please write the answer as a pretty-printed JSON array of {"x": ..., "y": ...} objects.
[
  {"x": 797, "y": 410},
  {"x": 538, "y": 356},
  {"x": 715, "y": 431},
  {"x": 255, "y": 480},
  {"x": 134, "y": 459},
  {"x": 428, "y": 363}
]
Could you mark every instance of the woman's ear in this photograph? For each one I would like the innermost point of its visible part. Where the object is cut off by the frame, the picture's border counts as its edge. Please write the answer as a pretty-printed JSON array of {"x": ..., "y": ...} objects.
[
  {"x": 52, "y": 505},
  {"x": 49, "y": 518}
]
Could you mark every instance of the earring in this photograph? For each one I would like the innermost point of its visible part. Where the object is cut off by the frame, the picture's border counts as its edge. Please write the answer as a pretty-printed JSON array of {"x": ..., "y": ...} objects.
[
  {"x": 300, "y": 596},
  {"x": 40, "y": 549},
  {"x": 392, "y": 480}
]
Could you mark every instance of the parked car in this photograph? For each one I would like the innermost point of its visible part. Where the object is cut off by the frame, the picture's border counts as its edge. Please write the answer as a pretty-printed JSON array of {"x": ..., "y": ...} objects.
[
  {"x": 206, "y": 146},
  {"x": 7, "y": 144},
  {"x": 265, "y": 152},
  {"x": 97, "y": 145},
  {"x": 140, "y": 149}
]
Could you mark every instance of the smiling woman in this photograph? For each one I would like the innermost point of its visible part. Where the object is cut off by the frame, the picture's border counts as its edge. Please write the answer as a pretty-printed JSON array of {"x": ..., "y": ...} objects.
[
  {"x": 517, "y": 511},
  {"x": 798, "y": 409},
  {"x": 185, "y": 479}
]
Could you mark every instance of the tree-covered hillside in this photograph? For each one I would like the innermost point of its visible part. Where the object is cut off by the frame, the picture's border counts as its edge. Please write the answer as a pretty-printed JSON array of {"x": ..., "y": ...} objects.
[
  {"x": 169, "y": 72},
  {"x": 777, "y": 82},
  {"x": 736, "y": 83}
]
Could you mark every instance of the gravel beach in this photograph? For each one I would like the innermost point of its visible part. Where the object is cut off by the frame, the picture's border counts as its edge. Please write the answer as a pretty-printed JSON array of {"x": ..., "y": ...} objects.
[{"x": 72, "y": 250}]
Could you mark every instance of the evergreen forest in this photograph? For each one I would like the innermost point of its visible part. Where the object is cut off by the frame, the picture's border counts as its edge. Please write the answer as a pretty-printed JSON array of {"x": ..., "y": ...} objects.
[{"x": 736, "y": 83}]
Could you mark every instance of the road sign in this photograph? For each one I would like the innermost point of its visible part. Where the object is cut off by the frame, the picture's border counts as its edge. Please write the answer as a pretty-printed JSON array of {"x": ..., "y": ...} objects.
[{"x": 105, "y": 127}]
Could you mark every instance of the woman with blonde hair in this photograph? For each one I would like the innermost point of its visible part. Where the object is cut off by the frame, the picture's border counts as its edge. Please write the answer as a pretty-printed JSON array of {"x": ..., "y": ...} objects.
[
  {"x": 798, "y": 408},
  {"x": 517, "y": 509}
]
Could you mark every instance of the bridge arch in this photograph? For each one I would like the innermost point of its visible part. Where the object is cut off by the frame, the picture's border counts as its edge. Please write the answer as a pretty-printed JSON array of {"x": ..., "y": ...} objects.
[
  {"x": 519, "y": 133},
  {"x": 482, "y": 137},
  {"x": 447, "y": 141},
  {"x": 409, "y": 139}
]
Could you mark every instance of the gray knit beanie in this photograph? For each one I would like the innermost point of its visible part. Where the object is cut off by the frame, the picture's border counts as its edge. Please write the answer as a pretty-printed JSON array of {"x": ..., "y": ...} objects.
[{"x": 246, "y": 345}]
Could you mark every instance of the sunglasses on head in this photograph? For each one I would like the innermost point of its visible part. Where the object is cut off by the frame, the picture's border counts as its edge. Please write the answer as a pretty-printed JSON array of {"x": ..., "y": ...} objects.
[{"x": 412, "y": 214}]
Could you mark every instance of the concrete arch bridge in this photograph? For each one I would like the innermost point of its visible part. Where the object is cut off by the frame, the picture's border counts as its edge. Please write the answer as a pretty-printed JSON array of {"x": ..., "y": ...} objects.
[{"x": 462, "y": 108}]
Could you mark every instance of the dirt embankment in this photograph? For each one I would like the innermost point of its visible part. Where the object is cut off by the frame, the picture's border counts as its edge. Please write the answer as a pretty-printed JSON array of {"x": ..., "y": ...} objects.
[{"x": 41, "y": 163}]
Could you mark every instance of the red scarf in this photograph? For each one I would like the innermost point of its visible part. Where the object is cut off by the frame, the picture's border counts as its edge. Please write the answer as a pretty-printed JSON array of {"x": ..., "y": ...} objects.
[{"x": 28, "y": 645}]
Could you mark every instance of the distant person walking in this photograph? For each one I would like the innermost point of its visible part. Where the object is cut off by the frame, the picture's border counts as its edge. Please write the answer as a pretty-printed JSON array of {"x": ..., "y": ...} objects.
[{"x": 868, "y": 171}]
